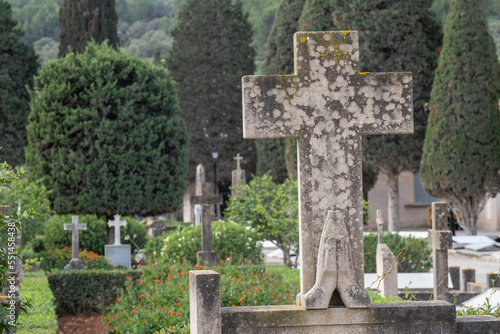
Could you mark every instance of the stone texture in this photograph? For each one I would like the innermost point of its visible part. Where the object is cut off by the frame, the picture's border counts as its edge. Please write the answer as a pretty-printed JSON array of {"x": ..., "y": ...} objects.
[
  {"x": 206, "y": 199},
  {"x": 75, "y": 262},
  {"x": 327, "y": 105},
  {"x": 478, "y": 324},
  {"x": 454, "y": 272},
  {"x": 440, "y": 241},
  {"x": 238, "y": 176},
  {"x": 204, "y": 302},
  {"x": 119, "y": 255},
  {"x": 387, "y": 270},
  {"x": 117, "y": 223},
  {"x": 405, "y": 317},
  {"x": 468, "y": 275}
]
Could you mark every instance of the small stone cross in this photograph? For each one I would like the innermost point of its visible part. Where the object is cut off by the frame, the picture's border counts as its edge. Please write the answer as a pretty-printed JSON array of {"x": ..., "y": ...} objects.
[
  {"x": 238, "y": 158},
  {"x": 117, "y": 223},
  {"x": 327, "y": 104},
  {"x": 75, "y": 262},
  {"x": 206, "y": 199}
]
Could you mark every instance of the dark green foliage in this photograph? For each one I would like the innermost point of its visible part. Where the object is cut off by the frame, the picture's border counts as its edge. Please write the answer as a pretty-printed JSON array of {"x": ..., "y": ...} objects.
[
  {"x": 412, "y": 253},
  {"x": 229, "y": 240},
  {"x": 89, "y": 291},
  {"x": 210, "y": 54},
  {"x": 317, "y": 15},
  {"x": 272, "y": 153},
  {"x": 85, "y": 20},
  {"x": 55, "y": 259},
  {"x": 106, "y": 135},
  {"x": 18, "y": 64},
  {"x": 462, "y": 145},
  {"x": 94, "y": 237}
]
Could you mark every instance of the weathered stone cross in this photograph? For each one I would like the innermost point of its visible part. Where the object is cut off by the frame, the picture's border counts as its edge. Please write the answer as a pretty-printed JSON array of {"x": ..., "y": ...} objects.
[
  {"x": 205, "y": 197},
  {"x": 75, "y": 262},
  {"x": 238, "y": 158},
  {"x": 328, "y": 105},
  {"x": 117, "y": 223}
]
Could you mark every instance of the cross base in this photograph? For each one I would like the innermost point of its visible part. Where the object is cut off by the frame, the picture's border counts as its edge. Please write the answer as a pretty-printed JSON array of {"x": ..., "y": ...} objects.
[
  {"x": 208, "y": 258},
  {"x": 75, "y": 264}
]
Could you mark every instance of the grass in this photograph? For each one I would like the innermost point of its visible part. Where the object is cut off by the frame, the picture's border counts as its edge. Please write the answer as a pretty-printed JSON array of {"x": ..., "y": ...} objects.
[{"x": 41, "y": 319}]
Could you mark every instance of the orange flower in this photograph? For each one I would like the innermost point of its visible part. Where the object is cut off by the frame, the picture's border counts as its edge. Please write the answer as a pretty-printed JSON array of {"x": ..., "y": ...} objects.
[
  {"x": 118, "y": 299},
  {"x": 272, "y": 297},
  {"x": 242, "y": 299},
  {"x": 178, "y": 314},
  {"x": 124, "y": 319},
  {"x": 134, "y": 312}
]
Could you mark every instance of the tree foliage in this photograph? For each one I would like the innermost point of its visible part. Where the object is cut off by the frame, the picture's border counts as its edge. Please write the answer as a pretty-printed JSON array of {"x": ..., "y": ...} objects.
[
  {"x": 18, "y": 64},
  {"x": 85, "y": 20},
  {"x": 210, "y": 54},
  {"x": 270, "y": 208},
  {"x": 106, "y": 136},
  {"x": 461, "y": 156}
]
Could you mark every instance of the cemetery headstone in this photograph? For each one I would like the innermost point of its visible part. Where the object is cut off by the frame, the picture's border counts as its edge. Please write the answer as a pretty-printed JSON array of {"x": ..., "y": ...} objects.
[
  {"x": 387, "y": 264},
  {"x": 206, "y": 198},
  {"x": 117, "y": 253},
  {"x": 328, "y": 105},
  {"x": 440, "y": 241},
  {"x": 238, "y": 176},
  {"x": 74, "y": 227},
  {"x": 468, "y": 276}
]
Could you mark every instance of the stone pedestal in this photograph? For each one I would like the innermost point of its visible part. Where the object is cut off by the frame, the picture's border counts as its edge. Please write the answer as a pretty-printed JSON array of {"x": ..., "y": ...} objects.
[
  {"x": 468, "y": 275},
  {"x": 454, "y": 272},
  {"x": 387, "y": 269},
  {"x": 75, "y": 264},
  {"x": 119, "y": 255},
  {"x": 204, "y": 302}
]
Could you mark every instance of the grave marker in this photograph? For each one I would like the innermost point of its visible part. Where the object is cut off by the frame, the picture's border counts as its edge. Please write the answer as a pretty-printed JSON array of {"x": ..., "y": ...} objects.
[
  {"x": 117, "y": 223},
  {"x": 117, "y": 253},
  {"x": 328, "y": 105},
  {"x": 238, "y": 176},
  {"x": 75, "y": 263},
  {"x": 387, "y": 264}
]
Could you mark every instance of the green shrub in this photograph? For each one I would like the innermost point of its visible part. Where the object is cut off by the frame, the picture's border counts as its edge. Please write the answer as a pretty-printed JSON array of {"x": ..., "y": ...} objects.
[
  {"x": 88, "y": 291},
  {"x": 57, "y": 259},
  {"x": 229, "y": 240},
  {"x": 94, "y": 237},
  {"x": 42, "y": 317},
  {"x": 412, "y": 253},
  {"x": 160, "y": 299}
]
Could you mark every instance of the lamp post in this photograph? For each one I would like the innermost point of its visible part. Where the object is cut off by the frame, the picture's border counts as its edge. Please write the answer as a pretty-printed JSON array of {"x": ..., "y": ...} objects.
[{"x": 215, "y": 155}]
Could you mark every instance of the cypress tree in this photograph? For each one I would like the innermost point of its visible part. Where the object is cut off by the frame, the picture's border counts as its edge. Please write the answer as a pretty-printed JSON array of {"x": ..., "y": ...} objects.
[
  {"x": 317, "y": 15},
  {"x": 18, "y": 64},
  {"x": 210, "y": 54},
  {"x": 271, "y": 153},
  {"x": 85, "y": 20},
  {"x": 105, "y": 134},
  {"x": 396, "y": 36},
  {"x": 461, "y": 157}
]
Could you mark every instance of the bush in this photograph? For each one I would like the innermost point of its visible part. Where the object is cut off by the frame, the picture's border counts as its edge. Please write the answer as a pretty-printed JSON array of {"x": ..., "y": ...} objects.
[
  {"x": 87, "y": 291},
  {"x": 412, "y": 253},
  {"x": 160, "y": 299},
  {"x": 42, "y": 317},
  {"x": 229, "y": 240},
  {"x": 57, "y": 259},
  {"x": 94, "y": 237}
]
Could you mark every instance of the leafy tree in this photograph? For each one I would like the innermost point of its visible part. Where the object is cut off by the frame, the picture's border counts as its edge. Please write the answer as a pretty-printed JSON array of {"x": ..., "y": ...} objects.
[
  {"x": 396, "y": 36},
  {"x": 272, "y": 153},
  {"x": 106, "y": 136},
  {"x": 271, "y": 209},
  {"x": 46, "y": 48},
  {"x": 210, "y": 54},
  {"x": 18, "y": 64},
  {"x": 461, "y": 156},
  {"x": 85, "y": 20}
]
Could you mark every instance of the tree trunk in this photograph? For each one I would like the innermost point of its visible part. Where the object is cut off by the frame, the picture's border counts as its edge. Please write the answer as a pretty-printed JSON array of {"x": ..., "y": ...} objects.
[{"x": 393, "y": 197}]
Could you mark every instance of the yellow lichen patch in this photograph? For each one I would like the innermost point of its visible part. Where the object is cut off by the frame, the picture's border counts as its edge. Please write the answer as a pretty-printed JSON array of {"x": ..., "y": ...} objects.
[
  {"x": 302, "y": 39},
  {"x": 362, "y": 73},
  {"x": 345, "y": 32}
]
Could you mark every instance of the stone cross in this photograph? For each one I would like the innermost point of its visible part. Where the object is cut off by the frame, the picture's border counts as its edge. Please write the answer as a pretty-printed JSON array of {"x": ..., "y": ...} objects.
[
  {"x": 328, "y": 105},
  {"x": 238, "y": 177},
  {"x": 440, "y": 241},
  {"x": 117, "y": 223},
  {"x": 207, "y": 199},
  {"x": 380, "y": 227},
  {"x": 75, "y": 262}
]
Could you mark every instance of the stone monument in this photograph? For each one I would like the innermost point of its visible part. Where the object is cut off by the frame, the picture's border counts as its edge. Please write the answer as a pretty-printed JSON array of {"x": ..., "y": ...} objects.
[
  {"x": 328, "y": 105},
  {"x": 387, "y": 264},
  {"x": 206, "y": 198},
  {"x": 440, "y": 241},
  {"x": 238, "y": 176},
  {"x": 75, "y": 263},
  {"x": 117, "y": 253}
]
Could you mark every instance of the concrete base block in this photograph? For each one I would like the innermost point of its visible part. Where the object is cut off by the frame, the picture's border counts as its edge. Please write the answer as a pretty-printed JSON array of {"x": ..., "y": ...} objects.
[
  {"x": 478, "y": 324},
  {"x": 388, "y": 318},
  {"x": 476, "y": 287},
  {"x": 204, "y": 302},
  {"x": 209, "y": 258},
  {"x": 75, "y": 264},
  {"x": 119, "y": 255}
]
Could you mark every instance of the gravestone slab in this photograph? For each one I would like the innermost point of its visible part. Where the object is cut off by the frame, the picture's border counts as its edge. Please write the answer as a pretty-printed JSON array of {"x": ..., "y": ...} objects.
[
  {"x": 327, "y": 104},
  {"x": 119, "y": 255}
]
